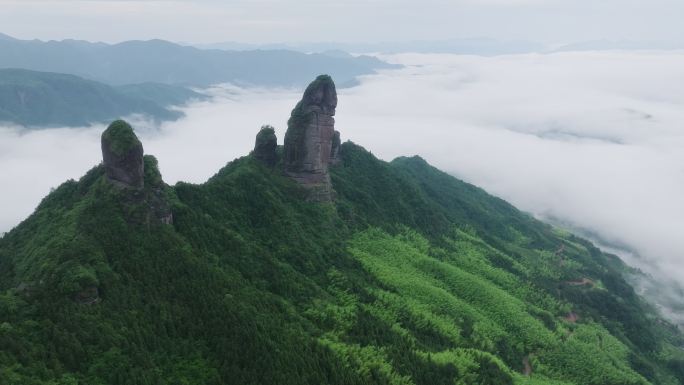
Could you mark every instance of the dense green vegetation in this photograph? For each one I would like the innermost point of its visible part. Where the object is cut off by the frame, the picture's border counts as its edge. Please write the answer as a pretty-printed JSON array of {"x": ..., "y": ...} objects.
[
  {"x": 43, "y": 99},
  {"x": 121, "y": 137},
  {"x": 410, "y": 277}
]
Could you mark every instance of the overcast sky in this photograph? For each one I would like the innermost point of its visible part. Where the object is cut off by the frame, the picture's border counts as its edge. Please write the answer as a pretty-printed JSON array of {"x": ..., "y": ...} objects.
[{"x": 268, "y": 21}]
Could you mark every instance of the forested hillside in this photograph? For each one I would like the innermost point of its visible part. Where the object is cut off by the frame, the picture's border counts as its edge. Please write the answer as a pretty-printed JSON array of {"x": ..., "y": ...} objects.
[
  {"x": 45, "y": 99},
  {"x": 406, "y": 276}
]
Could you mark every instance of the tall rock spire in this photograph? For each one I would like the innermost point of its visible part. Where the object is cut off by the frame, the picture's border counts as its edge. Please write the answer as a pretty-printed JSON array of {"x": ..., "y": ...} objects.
[{"x": 309, "y": 138}]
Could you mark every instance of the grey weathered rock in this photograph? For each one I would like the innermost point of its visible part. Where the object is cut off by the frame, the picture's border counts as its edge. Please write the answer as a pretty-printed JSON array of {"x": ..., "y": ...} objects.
[
  {"x": 122, "y": 155},
  {"x": 309, "y": 138},
  {"x": 265, "y": 146}
]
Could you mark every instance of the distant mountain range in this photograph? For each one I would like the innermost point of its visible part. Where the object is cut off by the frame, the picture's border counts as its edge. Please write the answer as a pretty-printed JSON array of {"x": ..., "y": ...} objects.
[
  {"x": 466, "y": 46},
  {"x": 161, "y": 61},
  {"x": 470, "y": 46},
  {"x": 626, "y": 45},
  {"x": 45, "y": 99},
  {"x": 109, "y": 81}
]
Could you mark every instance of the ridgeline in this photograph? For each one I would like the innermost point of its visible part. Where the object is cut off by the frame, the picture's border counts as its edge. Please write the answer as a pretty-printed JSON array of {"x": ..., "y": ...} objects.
[
  {"x": 44, "y": 99},
  {"x": 311, "y": 263}
]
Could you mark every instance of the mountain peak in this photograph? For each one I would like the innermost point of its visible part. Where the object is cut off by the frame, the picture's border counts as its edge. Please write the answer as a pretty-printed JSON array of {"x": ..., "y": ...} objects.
[
  {"x": 122, "y": 155},
  {"x": 321, "y": 93}
]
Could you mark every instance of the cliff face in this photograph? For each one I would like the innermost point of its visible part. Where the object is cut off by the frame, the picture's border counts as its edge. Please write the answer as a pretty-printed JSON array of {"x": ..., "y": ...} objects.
[{"x": 309, "y": 139}]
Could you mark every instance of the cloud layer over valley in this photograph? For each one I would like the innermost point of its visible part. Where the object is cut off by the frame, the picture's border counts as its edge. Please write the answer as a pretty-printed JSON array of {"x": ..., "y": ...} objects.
[{"x": 590, "y": 139}]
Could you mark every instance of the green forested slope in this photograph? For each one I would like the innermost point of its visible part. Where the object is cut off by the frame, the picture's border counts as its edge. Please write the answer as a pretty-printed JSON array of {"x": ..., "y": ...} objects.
[
  {"x": 410, "y": 277},
  {"x": 45, "y": 99}
]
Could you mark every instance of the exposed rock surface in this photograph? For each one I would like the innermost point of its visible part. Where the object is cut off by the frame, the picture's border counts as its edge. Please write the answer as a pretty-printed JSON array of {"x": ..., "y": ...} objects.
[
  {"x": 309, "y": 139},
  {"x": 122, "y": 155},
  {"x": 266, "y": 145}
]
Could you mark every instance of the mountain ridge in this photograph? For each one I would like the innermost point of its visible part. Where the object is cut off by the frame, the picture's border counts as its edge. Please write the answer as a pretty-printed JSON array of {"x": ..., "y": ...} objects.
[
  {"x": 47, "y": 99},
  {"x": 165, "y": 62},
  {"x": 407, "y": 276}
]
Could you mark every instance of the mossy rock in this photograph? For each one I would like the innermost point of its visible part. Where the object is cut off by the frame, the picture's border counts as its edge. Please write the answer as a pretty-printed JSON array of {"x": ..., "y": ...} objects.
[
  {"x": 122, "y": 155},
  {"x": 120, "y": 137}
]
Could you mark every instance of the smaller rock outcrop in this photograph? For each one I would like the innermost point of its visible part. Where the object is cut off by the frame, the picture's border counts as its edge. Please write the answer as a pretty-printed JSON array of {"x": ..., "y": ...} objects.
[
  {"x": 266, "y": 145},
  {"x": 122, "y": 155},
  {"x": 126, "y": 167}
]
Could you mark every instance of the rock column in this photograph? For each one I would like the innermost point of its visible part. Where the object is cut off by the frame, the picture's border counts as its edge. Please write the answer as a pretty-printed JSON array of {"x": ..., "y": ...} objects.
[{"x": 309, "y": 139}]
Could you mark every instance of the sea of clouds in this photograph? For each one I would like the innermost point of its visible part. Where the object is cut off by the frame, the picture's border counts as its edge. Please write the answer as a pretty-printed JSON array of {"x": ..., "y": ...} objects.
[{"x": 593, "y": 140}]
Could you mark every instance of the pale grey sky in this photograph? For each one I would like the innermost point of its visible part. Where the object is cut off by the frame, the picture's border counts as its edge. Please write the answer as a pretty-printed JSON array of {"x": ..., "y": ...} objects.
[{"x": 268, "y": 21}]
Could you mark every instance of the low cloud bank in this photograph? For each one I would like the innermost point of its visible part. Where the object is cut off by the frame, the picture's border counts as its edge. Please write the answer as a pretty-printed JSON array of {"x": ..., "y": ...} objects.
[{"x": 593, "y": 139}]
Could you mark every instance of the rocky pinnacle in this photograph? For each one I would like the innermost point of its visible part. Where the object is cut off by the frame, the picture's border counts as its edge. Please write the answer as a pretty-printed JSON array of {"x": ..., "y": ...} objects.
[
  {"x": 266, "y": 145},
  {"x": 309, "y": 138}
]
